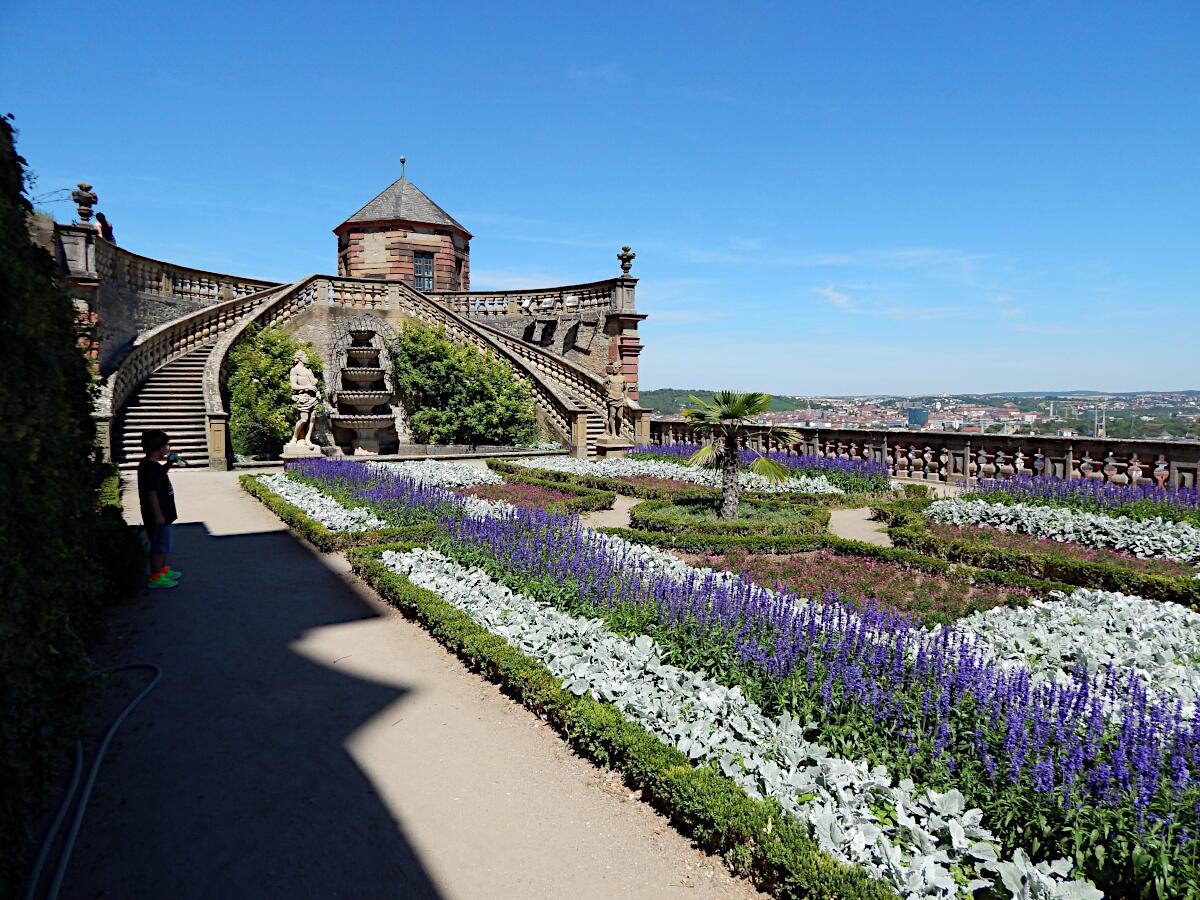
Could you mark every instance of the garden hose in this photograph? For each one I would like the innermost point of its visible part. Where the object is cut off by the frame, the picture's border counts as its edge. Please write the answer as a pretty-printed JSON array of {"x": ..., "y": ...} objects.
[{"x": 60, "y": 870}]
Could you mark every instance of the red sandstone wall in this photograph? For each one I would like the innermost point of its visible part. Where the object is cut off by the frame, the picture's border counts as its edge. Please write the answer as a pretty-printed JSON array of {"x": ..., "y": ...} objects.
[{"x": 387, "y": 252}]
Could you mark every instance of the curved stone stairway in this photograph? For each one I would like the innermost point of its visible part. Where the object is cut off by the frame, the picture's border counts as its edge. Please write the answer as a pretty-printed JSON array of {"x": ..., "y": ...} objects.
[
  {"x": 171, "y": 399},
  {"x": 173, "y": 396}
]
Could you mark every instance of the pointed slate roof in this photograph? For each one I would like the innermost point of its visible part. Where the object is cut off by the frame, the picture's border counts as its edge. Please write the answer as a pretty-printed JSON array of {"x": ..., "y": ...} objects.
[{"x": 404, "y": 201}]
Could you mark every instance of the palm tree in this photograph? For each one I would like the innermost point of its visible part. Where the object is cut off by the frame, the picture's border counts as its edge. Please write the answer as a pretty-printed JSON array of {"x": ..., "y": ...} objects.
[{"x": 726, "y": 418}]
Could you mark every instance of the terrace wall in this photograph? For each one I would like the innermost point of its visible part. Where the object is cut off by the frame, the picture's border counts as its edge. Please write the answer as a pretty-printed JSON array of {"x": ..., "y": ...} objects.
[
  {"x": 590, "y": 324},
  {"x": 122, "y": 294},
  {"x": 951, "y": 456}
]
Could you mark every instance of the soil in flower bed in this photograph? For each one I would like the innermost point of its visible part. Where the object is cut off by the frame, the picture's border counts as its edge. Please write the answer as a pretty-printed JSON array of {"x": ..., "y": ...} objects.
[
  {"x": 824, "y": 575},
  {"x": 1028, "y": 543},
  {"x": 531, "y": 495}
]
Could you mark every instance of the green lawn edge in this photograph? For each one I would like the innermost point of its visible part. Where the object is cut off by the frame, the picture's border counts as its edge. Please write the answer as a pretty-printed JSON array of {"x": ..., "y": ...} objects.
[{"x": 654, "y": 515}]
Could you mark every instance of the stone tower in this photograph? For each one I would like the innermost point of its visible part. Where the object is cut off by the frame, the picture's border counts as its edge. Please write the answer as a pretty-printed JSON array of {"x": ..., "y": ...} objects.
[{"x": 402, "y": 235}]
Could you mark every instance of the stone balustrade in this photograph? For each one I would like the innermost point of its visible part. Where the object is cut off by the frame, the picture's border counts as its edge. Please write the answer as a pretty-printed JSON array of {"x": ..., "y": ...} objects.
[
  {"x": 128, "y": 295},
  {"x": 159, "y": 346},
  {"x": 956, "y": 457},
  {"x": 565, "y": 415},
  {"x": 577, "y": 299}
]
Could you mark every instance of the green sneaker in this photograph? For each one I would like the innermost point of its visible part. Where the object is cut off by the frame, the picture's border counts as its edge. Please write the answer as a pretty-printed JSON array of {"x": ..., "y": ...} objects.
[
  {"x": 173, "y": 574},
  {"x": 162, "y": 581}
]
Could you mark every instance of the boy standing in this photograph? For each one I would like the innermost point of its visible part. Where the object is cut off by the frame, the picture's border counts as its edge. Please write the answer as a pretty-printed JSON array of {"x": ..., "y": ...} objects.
[{"x": 158, "y": 505}]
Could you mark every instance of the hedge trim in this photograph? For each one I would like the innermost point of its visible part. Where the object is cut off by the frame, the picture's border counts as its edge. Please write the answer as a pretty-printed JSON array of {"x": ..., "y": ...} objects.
[
  {"x": 908, "y": 529},
  {"x": 649, "y": 515},
  {"x": 320, "y": 536},
  {"x": 756, "y": 838},
  {"x": 690, "y": 542},
  {"x": 652, "y": 492}
]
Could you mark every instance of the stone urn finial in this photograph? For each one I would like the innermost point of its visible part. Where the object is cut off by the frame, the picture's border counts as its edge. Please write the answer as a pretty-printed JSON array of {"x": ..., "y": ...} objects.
[
  {"x": 626, "y": 257},
  {"x": 86, "y": 198}
]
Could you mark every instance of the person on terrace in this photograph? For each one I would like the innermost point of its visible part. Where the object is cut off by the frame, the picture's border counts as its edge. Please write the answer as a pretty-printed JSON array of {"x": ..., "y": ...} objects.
[{"x": 157, "y": 499}]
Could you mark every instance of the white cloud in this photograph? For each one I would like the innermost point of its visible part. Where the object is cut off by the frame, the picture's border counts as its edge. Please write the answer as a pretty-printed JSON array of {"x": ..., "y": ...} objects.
[
  {"x": 606, "y": 73},
  {"x": 838, "y": 299}
]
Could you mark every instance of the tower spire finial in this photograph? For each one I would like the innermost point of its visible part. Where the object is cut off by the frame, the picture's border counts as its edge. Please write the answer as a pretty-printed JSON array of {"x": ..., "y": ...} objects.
[{"x": 402, "y": 162}]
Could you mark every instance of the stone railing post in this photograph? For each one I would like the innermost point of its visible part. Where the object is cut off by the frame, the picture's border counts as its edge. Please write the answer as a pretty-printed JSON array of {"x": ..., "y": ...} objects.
[
  {"x": 217, "y": 427},
  {"x": 579, "y": 423}
]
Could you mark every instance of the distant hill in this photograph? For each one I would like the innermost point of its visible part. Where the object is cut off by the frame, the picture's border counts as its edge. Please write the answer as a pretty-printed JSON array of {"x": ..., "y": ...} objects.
[{"x": 671, "y": 400}]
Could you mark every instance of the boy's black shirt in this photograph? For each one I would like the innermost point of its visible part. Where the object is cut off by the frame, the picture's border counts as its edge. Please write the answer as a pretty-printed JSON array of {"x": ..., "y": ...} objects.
[{"x": 153, "y": 479}]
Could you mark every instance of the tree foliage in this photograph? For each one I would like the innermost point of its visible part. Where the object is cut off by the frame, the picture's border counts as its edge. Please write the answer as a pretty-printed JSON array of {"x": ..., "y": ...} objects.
[
  {"x": 726, "y": 419},
  {"x": 262, "y": 416},
  {"x": 459, "y": 395},
  {"x": 64, "y": 555}
]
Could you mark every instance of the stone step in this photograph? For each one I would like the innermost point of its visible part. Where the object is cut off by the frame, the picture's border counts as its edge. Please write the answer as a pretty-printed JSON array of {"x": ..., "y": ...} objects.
[{"x": 181, "y": 418}]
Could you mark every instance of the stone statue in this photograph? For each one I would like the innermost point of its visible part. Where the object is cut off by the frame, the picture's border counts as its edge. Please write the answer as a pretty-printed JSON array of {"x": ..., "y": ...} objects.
[
  {"x": 615, "y": 387},
  {"x": 306, "y": 397}
]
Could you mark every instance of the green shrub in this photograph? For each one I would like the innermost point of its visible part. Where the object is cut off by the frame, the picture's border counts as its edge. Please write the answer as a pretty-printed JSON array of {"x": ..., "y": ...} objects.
[
  {"x": 262, "y": 417},
  {"x": 699, "y": 516},
  {"x": 63, "y": 559},
  {"x": 460, "y": 395},
  {"x": 755, "y": 837}
]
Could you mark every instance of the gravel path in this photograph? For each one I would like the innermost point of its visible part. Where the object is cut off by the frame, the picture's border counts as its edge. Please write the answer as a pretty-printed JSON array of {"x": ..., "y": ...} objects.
[
  {"x": 856, "y": 525},
  {"x": 308, "y": 741}
]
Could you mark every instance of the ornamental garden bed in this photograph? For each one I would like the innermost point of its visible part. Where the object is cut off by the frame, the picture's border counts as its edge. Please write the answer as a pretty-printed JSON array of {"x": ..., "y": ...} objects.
[
  {"x": 934, "y": 759},
  {"x": 652, "y": 488},
  {"x": 1140, "y": 501},
  {"x": 319, "y": 534},
  {"x": 542, "y": 496},
  {"x": 757, "y": 517},
  {"x": 1028, "y": 543},
  {"x": 1071, "y": 563},
  {"x": 828, "y": 576}
]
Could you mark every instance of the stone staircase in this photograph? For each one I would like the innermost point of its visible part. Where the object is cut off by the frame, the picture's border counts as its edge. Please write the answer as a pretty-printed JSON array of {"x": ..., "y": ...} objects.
[{"x": 171, "y": 399}]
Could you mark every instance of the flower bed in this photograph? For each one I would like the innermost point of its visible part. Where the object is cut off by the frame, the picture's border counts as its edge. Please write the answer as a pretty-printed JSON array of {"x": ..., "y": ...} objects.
[
  {"x": 753, "y": 836},
  {"x": 755, "y": 517},
  {"x": 703, "y": 477},
  {"x": 1095, "y": 630},
  {"x": 519, "y": 494},
  {"x": 842, "y": 801},
  {"x": 1177, "y": 541},
  {"x": 909, "y": 528},
  {"x": 1140, "y": 501},
  {"x": 1028, "y": 543},
  {"x": 438, "y": 473},
  {"x": 306, "y": 513},
  {"x": 834, "y": 577},
  {"x": 851, "y": 475},
  {"x": 653, "y": 488},
  {"x": 1094, "y": 767}
]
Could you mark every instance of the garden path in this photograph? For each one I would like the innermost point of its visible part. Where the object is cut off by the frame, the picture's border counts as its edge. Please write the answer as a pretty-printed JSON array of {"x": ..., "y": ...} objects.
[
  {"x": 617, "y": 517},
  {"x": 308, "y": 741},
  {"x": 856, "y": 525}
]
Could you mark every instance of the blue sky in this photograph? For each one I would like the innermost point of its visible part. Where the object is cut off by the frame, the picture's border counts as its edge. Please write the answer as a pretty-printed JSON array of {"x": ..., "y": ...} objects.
[{"x": 841, "y": 198}]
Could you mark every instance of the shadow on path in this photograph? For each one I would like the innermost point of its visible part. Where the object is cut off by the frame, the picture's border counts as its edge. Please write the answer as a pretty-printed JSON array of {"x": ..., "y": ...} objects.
[{"x": 233, "y": 778}]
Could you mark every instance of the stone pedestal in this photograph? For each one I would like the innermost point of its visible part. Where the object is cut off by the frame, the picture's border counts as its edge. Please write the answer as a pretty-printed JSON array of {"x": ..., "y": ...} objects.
[
  {"x": 295, "y": 450},
  {"x": 613, "y": 447}
]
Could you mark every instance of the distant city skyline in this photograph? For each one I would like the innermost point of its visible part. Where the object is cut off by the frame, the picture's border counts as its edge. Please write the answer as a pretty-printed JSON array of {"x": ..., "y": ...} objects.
[{"x": 894, "y": 200}]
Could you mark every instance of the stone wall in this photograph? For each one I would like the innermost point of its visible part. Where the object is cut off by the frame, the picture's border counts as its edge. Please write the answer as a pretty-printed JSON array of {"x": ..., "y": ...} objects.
[
  {"x": 122, "y": 294},
  {"x": 386, "y": 251},
  {"x": 589, "y": 324}
]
